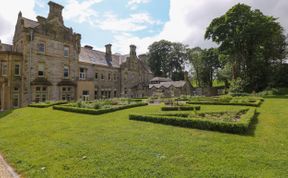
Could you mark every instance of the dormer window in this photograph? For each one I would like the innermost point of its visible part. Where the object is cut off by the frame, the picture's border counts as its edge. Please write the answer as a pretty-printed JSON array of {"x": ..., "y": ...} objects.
[
  {"x": 82, "y": 73},
  {"x": 66, "y": 51}
]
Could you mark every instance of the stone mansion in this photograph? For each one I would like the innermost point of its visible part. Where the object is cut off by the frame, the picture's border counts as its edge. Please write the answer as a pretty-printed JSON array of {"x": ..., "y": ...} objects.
[{"x": 47, "y": 62}]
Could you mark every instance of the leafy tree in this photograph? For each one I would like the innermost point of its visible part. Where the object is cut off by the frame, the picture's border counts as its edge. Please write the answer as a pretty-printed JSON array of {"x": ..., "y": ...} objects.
[
  {"x": 252, "y": 41},
  {"x": 205, "y": 63},
  {"x": 167, "y": 59}
]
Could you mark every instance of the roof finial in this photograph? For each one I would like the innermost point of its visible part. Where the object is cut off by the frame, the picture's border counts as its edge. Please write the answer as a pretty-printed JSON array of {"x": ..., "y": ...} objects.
[{"x": 19, "y": 14}]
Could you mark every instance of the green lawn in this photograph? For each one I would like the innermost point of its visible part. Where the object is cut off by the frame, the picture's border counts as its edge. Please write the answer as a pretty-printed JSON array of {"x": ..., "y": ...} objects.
[{"x": 110, "y": 145}]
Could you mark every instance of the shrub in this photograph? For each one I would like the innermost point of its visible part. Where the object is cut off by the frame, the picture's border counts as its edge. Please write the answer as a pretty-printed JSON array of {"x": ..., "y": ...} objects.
[
  {"x": 47, "y": 104},
  {"x": 180, "y": 108},
  {"x": 242, "y": 126},
  {"x": 97, "y": 106},
  {"x": 70, "y": 108}
]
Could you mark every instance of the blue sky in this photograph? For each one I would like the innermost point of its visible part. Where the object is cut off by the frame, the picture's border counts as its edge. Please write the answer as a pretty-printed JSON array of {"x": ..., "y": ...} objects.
[
  {"x": 139, "y": 22},
  {"x": 137, "y": 18}
]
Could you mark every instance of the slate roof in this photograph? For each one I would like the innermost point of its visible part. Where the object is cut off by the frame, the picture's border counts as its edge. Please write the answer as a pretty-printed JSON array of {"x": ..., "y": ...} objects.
[
  {"x": 176, "y": 84},
  {"x": 160, "y": 79},
  {"x": 5, "y": 47},
  {"x": 28, "y": 23},
  {"x": 98, "y": 58}
]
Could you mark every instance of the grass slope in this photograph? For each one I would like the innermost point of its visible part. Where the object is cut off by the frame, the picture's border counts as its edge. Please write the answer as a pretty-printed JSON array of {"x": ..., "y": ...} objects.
[{"x": 109, "y": 145}]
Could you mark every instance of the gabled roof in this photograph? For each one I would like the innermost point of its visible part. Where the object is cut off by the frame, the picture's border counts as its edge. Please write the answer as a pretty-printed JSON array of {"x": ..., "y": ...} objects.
[
  {"x": 28, "y": 23},
  {"x": 98, "y": 58},
  {"x": 160, "y": 79},
  {"x": 5, "y": 47},
  {"x": 176, "y": 84}
]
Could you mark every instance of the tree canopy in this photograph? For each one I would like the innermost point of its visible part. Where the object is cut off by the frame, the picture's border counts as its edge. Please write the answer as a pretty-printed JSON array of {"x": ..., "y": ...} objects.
[
  {"x": 253, "y": 41},
  {"x": 167, "y": 59}
]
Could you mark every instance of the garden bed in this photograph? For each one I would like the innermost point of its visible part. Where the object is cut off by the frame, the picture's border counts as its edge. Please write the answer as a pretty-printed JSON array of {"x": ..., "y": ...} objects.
[
  {"x": 47, "y": 104},
  {"x": 180, "y": 108},
  {"x": 231, "y": 122},
  {"x": 227, "y": 100},
  {"x": 71, "y": 108}
]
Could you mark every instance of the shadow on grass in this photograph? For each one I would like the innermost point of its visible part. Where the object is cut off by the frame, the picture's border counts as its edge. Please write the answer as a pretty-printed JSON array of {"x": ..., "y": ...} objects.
[
  {"x": 252, "y": 127},
  {"x": 5, "y": 113},
  {"x": 277, "y": 97}
]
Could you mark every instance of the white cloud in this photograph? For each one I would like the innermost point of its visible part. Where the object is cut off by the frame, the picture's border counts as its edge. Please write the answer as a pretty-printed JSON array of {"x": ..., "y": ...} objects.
[
  {"x": 134, "y": 4},
  {"x": 188, "y": 21},
  {"x": 80, "y": 11},
  {"x": 135, "y": 22},
  {"x": 8, "y": 16}
]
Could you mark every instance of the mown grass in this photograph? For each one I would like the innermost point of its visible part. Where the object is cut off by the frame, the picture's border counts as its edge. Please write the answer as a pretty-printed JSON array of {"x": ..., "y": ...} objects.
[{"x": 50, "y": 143}]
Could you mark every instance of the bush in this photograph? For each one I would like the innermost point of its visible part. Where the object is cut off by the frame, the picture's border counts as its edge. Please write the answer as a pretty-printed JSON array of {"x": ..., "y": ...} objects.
[
  {"x": 242, "y": 126},
  {"x": 180, "y": 108},
  {"x": 70, "y": 108},
  {"x": 228, "y": 100},
  {"x": 47, "y": 104}
]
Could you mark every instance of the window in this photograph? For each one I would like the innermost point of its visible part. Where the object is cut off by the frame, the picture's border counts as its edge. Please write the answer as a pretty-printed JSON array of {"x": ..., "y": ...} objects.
[
  {"x": 114, "y": 76},
  {"x": 85, "y": 92},
  {"x": 41, "y": 69},
  {"x": 4, "y": 68},
  {"x": 66, "y": 51},
  {"x": 15, "y": 100},
  {"x": 41, "y": 47},
  {"x": 115, "y": 93},
  {"x": 66, "y": 72},
  {"x": 82, "y": 73},
  {"x": 95, "y": 94},
  {"x": 96, "y": 75},
  {"x": 41, "y": 94},
  {"x": 85, "y": 95},
  {"x": 102, "y": 76},
  {"x": 17, "y": 70},
  {"x": 67, "y": 93},
  {"x": 109, "y": 76}
]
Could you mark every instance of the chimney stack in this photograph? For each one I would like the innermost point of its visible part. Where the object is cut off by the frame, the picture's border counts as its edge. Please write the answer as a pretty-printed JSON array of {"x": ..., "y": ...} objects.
[
  {"x": 55, "y": 11},
  {"x": 132, "y": 50},
  {"x": 108, "y": 52},
  {"x": 108, "y": 49}
]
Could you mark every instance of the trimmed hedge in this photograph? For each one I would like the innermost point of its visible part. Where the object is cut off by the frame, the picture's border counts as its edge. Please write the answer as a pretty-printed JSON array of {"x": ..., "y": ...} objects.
[
  {"x": 256, "y": 104},
  {"x": 46, "y": 105},
  {"x": 241, "y": 126},
  {"x": 96, "y": 111},
  {"x": 180, "y": 108}
]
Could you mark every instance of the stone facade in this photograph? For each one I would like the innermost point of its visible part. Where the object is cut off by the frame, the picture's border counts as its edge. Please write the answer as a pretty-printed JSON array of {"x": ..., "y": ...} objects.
[
  {"x": 165, "y": 87},
  {"x": 47, "y": 62},
  {"x": 54, "y": 66}
]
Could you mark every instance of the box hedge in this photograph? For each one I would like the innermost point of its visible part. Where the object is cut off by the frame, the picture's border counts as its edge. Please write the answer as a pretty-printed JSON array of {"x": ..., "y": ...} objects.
[
  {"x": 180, "y": 108},
  {"x": 256, "y": 103},
  {"x": 96, "y": 111},
  {"x": 48, "y": 104},
  {"x": 241, "y": 126}
]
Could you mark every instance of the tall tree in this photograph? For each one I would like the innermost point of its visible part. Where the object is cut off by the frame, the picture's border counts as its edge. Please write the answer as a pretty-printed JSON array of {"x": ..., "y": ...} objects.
[
  {"x": 252, "y": 40},
  {"x": 205, "y": 63},
  {"x": 167, "y": 59}
]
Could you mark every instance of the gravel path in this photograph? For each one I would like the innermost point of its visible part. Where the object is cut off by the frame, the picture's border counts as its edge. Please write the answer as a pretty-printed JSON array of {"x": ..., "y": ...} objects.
[{"x": 6, "y": 171}]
